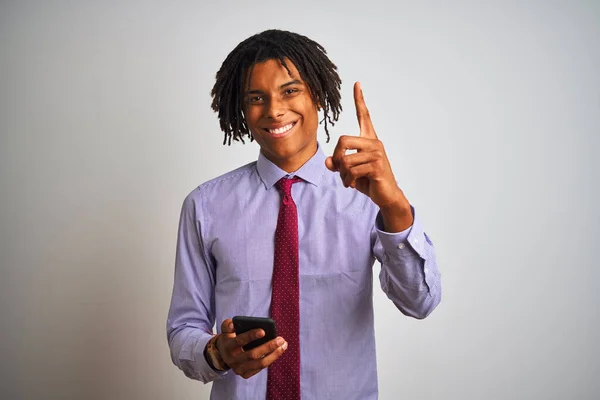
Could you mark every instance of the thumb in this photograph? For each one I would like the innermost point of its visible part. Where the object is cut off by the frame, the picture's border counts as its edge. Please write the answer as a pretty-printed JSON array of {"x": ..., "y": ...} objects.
[
  {"x": 227, "y": 327},
  {"x": 329, "y": 164}
]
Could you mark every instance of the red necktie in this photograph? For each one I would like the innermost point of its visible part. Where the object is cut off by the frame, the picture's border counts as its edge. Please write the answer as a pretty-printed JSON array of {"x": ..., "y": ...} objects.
[{"x": 283, "y": 379}]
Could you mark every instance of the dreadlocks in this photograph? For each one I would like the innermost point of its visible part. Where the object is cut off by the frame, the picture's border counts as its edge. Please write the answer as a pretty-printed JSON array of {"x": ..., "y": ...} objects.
[{"x": 309, "y": 57}]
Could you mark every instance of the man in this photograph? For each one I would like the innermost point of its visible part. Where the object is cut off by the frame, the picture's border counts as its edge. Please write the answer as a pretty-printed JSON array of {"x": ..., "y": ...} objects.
[{"x": 293, "y": 236}]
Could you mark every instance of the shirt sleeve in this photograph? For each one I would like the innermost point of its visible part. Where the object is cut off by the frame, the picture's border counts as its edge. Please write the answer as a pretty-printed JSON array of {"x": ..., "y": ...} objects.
[
  {"x": 191, "y": 315},
  {"x": 409, "y": 272}
]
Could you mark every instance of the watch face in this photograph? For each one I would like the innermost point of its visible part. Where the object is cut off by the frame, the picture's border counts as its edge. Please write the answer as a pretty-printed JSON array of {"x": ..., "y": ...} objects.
[{"x": 215, "y": 360}]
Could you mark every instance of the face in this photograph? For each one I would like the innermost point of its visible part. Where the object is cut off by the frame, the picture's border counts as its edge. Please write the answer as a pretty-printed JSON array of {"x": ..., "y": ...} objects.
[{"x": 281, "y": 114}]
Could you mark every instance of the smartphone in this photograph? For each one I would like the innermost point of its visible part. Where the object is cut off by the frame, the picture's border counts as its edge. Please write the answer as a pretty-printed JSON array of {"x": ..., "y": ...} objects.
[{"x": 244, "y": 324}]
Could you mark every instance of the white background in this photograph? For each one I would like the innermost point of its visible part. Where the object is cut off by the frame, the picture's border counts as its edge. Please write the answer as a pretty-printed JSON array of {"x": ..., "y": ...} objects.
[{"x": 490, "y": 113}]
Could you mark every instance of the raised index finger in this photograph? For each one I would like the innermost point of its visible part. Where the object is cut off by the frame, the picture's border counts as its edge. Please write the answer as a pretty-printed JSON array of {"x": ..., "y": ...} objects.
[{"x": 362, "y": 114}]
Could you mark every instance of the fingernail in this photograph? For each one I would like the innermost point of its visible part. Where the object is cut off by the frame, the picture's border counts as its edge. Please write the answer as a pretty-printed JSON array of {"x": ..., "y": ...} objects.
[
  {"x": 280, "y": 341},
  {"x": 260, "y": 334},
  {"x": 230, "y": 326},
  {"x": 284, "y": 347}
]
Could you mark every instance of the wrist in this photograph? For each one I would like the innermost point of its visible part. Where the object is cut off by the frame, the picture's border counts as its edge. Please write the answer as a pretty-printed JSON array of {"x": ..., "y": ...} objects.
[
  {"x": 213, "y": 356},
  {"x": 397, "y": 216}
]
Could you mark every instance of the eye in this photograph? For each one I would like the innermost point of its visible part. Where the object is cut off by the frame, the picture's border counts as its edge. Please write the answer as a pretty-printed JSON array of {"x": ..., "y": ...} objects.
[
  {"x": 290, "y": 91},
  {"x": 255, "y": 99}
]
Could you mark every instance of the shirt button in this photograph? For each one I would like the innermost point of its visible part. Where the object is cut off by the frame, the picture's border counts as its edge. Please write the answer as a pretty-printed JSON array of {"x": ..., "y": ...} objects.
[{"x": 401, "y": 246}]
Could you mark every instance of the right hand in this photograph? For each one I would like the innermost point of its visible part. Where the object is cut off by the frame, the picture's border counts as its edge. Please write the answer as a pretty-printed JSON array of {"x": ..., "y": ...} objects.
[{"x": 247, "y": 363}]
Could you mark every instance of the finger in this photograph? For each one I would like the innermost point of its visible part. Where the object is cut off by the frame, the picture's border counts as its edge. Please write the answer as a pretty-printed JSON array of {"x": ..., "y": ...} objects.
[
  {"x": 264, "y": 349},
  {"x": 362, "y": 114},
  {"x": 224, "y": 342},
  {"x": 330, "y": 164},
  {"x": 355, "y": 173},
  {"x": 244, "y": 338},
  {"x": 227, "y": 326},
  {"x": 255, "y": 366},
  {"x": 349, "y": 161},
  {"x": 346, "y": 143},
  {"x": 233, "y": 353}
]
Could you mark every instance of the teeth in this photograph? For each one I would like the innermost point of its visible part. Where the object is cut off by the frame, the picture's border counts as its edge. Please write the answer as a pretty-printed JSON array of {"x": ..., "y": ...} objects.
[{"x": 281, "y": 130}]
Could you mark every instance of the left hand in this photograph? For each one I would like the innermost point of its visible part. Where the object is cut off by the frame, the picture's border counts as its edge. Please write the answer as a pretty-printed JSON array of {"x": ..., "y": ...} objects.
[{"x": 368, "y": 170}]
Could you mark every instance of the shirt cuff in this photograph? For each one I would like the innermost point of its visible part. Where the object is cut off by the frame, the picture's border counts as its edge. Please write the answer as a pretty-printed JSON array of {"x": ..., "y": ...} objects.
[
  {"x": 195, "y": 366},
  {"x": 402, "y": 243}
]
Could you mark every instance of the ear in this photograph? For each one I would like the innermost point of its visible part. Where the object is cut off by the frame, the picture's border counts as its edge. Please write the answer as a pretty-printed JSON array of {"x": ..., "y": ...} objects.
[{"x": 318, "y": 102}]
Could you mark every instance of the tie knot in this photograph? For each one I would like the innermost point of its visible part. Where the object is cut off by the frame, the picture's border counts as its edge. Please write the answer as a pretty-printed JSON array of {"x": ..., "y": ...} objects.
[{"x": 285, "y": 185}]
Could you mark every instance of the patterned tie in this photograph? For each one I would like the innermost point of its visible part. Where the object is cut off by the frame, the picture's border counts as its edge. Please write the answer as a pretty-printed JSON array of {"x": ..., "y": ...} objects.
[{"x": 283, "y": 379}]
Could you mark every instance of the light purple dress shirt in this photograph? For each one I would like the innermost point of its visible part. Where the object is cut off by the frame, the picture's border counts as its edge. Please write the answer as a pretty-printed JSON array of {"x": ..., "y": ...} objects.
[{"x": 224, "y": 266}]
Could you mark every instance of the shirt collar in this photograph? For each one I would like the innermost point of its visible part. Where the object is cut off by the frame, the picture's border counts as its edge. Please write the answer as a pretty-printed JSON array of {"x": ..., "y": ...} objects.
[{"x": 312, "y": 171}]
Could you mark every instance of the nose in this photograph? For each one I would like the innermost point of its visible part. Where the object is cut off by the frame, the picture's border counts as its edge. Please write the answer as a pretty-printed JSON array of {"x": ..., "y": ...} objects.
[{"x": 275, "y": 108}]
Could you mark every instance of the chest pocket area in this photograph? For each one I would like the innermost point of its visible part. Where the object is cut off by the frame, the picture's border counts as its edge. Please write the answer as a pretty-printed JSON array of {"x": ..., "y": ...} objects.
[
  {"x": 337, "y": 250},
  {"x": 230, "y": 261}
]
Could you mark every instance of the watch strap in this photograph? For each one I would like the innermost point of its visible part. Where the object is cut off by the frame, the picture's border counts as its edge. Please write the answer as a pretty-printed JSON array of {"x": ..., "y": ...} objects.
[{"x": 214, "y": 357}]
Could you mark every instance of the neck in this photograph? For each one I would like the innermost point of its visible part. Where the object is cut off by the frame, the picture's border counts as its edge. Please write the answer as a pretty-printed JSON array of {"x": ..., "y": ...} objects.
[{"x": 295, "y": 162}]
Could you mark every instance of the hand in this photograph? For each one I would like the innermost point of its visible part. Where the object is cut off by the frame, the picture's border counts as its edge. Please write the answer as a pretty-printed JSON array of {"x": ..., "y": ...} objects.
[
  {"x": 368, "y": 170},
  {"x": 247, "y": 363}
]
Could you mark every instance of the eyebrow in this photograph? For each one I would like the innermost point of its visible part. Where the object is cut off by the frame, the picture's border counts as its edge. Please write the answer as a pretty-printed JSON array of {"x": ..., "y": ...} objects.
[{"x": 294, "y": 82}]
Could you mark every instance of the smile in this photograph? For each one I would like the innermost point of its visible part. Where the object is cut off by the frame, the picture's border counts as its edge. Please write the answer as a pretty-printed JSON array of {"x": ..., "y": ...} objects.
[{"x": 278, "y": 132}]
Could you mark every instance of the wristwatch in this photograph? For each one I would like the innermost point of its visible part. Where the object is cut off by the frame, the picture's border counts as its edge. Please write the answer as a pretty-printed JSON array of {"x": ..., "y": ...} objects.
[{"x": 212, "y": 355}]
